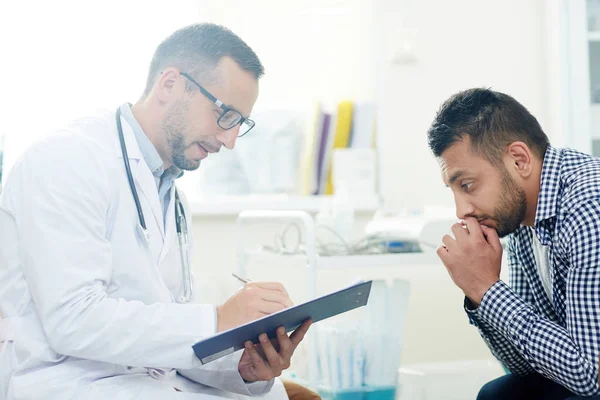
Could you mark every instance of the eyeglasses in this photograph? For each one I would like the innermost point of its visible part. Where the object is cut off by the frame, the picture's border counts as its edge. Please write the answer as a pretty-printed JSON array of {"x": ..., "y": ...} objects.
[{"x": 230, "y": 117}]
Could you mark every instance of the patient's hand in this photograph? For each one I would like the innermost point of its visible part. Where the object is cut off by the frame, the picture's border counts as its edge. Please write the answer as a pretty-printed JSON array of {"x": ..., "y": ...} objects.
[{"x": 264, "y": 362}]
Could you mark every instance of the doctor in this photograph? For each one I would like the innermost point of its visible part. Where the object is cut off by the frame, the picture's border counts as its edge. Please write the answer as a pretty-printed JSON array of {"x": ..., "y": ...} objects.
[{"x": 95, "y": 287}]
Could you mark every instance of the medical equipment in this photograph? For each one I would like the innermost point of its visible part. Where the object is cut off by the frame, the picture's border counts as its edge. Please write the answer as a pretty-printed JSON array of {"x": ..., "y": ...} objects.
[
  {"x": 359, "y": 357},
  {"x": 307, "y": 261},
  {"x": 180, "y": 220}
]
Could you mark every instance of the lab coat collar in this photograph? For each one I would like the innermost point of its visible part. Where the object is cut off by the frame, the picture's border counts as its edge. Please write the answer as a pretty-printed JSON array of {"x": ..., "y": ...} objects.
[{"x": 133, "y": 149}]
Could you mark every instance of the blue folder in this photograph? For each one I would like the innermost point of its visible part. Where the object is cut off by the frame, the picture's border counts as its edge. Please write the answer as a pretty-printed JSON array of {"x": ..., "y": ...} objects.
[{"x": 291, "y": 318}]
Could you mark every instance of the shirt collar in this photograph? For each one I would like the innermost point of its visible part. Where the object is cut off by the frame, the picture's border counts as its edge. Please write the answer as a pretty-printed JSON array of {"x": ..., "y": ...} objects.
[
  {"x": 149, "y": 152},
  {"x": 548, "y": 197}
]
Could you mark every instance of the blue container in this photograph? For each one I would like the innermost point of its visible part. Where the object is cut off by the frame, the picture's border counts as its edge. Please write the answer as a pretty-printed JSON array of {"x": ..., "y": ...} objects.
[
  {"x": 362, "y": 393},
  {"x": 358, "y": 359}
]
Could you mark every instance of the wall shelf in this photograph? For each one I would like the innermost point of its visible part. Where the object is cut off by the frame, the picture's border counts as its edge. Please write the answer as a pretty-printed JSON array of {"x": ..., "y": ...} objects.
[
  {"x": 427, "y": 258},
  {"x": 233, "y": 205}
]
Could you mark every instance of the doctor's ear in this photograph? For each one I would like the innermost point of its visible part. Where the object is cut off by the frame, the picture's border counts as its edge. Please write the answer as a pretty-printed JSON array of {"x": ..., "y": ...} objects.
[
  {"x": 168, "y": 83},
  {"x": 519, "y": 158}
]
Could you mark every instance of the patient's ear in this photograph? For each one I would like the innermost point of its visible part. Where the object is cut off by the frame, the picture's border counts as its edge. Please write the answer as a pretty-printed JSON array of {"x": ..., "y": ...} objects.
[{"x": 519, "y": 158}]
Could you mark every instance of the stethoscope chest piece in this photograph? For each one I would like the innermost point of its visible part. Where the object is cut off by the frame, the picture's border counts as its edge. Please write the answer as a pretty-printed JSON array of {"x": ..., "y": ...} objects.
[{"x": 144, "y": 234}]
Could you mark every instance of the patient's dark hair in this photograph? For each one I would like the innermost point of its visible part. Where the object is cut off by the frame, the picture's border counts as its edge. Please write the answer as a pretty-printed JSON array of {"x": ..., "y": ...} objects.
[
  {"x": 197, "y": 49},
  {"x": 491, "y": 119}
]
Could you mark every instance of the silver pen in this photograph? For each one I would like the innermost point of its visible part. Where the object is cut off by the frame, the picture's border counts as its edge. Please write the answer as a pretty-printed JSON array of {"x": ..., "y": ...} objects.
[{"x": 239, "y": 278}]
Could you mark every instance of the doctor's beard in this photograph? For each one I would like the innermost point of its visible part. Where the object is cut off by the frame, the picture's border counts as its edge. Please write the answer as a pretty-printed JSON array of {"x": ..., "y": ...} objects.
[{"x": 174, "y": 127}]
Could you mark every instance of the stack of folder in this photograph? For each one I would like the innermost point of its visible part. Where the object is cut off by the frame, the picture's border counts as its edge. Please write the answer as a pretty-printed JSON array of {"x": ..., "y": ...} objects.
[{"x": 350, "y": 125}]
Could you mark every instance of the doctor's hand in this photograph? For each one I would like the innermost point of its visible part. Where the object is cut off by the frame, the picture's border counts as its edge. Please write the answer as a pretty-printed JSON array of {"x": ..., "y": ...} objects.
[
  {"x": 472, "y": 258},
  {"x": 267, "y": 360},
  {"x": 254, "y": 300}
]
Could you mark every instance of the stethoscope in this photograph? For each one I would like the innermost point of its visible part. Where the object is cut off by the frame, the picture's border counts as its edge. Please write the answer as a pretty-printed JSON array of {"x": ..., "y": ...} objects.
[{"x": 180, "y": 221}]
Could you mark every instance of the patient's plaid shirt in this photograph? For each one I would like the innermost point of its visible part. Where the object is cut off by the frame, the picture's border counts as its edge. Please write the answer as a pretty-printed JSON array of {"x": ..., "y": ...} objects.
[{"x": 523, "y": 327}]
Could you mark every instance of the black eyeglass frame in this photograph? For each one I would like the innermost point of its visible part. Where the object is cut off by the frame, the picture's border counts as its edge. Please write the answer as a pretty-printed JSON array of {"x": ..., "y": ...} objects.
[{"x": 224, "y": 109}]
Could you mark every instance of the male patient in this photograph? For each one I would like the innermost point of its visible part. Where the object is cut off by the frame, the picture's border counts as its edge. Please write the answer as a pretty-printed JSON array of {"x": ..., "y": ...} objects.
[{"x": 544, "y": 326}]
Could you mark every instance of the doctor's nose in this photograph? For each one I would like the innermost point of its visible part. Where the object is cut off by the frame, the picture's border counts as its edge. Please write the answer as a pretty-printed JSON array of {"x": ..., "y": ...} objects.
[{"x": 228, "y": 137}]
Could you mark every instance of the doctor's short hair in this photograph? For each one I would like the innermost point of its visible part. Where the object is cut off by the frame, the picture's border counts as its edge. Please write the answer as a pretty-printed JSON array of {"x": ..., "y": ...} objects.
[
  {"x": 197, "y": 49},
  {"x": 492, "y": 120}
]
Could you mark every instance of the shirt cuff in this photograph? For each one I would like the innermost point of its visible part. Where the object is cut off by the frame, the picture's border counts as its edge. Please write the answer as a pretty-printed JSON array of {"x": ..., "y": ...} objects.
[
  {"x": 259, "y": 388},
  {"x": 500, "y": 307},
  {"x": 223, "y": 374},
  {"x": 199, "y": 325},
  {"x": 471, "y": 310},
  {"x": 234, "y": 381}
]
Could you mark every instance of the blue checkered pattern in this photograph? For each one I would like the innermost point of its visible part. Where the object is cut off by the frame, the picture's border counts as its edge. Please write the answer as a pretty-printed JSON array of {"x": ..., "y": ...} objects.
[{"x": 523, "y": 327}]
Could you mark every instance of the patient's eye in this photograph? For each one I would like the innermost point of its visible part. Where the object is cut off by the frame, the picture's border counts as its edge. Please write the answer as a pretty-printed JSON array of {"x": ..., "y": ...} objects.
[{"x": 466, "y": 186}]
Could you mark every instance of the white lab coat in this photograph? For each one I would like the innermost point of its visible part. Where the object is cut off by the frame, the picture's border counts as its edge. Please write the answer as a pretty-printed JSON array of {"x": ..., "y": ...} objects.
[{"x": 88, "y": 307}]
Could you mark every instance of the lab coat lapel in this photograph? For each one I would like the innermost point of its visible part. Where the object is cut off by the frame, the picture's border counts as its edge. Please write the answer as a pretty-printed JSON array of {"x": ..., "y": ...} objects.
[
  {"x": 142, "y": 176},
  {"x": 170, "y": 228},
  {"x": 147, "y": 185}
]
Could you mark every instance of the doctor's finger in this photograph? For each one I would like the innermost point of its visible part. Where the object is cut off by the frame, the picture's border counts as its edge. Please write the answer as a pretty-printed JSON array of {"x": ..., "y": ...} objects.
[
  {"x": 257, "y": 359},
  {"x": 286, "y": 347},
  {"x": 269, "y": 307},
  {"x": 300, "y": 332},
  {"x": 267, "y": 285},
  {"x": 270, "y": 286},
  {"x": 272, "y": 355},
  {"x": 276, "y": 297}
]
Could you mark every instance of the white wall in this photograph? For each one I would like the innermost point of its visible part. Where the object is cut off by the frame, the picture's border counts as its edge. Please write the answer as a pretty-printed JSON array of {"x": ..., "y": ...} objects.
[
  {"x": 70, "y": 58},
  {"x": 458, "y": 44},
  {"x": 66, "y": 58},
  {"x": 334, "y": 49},
  {"x": 311, "y": 49}
]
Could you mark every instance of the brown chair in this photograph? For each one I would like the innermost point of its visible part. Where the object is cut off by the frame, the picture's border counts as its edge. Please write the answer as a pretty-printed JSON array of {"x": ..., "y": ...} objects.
[{"x": 299, "y": 392}]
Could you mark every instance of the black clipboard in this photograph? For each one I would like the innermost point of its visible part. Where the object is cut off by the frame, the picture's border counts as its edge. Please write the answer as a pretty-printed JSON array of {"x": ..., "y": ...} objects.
[{"x": 318, "y": 309}]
